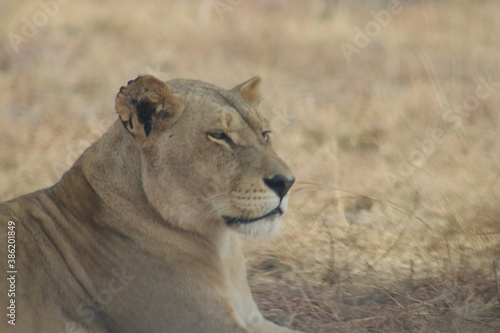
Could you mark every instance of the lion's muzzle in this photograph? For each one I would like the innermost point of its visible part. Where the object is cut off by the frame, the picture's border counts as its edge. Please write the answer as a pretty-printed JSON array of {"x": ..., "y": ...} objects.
[{"x": 280, "y": 184}]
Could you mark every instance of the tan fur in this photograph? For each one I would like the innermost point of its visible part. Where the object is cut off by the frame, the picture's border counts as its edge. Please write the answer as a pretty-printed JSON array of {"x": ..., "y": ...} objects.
[{"x": 139, "y": 235}]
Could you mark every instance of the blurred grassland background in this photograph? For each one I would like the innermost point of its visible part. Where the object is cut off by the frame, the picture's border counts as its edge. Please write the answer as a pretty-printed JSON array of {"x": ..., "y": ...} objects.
[{"x": 390, "y": 123}]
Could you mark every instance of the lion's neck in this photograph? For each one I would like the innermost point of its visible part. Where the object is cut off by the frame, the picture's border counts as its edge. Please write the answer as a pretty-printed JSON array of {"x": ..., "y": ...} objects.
[
  {"x": 105, "y": 225},
  {"x": 108, "y": 176},
  {"x": 106, "y": 183}
]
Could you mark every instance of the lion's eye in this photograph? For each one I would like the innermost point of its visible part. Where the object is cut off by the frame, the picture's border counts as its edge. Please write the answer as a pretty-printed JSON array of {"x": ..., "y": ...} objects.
[
  {"x": 220, "y": 136},
  {"x": 267, "y": 136}
]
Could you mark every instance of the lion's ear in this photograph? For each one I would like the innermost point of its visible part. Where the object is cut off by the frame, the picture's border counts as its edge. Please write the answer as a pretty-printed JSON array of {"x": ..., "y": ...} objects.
[
  {"x": 143, "y": 103},
  {"x": 250, "y": 91}
]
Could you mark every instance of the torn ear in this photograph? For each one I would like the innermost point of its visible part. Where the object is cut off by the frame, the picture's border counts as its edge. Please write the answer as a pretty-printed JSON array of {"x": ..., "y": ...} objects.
[
  {"x": 143, "y": 103},
  {"x": 250, "y": 91}
]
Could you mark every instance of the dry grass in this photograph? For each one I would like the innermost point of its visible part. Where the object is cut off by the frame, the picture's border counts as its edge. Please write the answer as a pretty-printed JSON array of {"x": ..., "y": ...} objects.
[{"x": 383, "y": 235}]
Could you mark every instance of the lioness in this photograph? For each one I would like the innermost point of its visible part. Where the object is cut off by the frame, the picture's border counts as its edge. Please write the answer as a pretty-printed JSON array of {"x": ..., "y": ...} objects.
[{"x": 139, "y": 235}]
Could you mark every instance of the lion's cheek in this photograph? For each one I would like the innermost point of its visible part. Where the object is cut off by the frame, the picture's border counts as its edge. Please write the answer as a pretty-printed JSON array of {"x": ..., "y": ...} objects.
[{"x": 178, "y": 202}]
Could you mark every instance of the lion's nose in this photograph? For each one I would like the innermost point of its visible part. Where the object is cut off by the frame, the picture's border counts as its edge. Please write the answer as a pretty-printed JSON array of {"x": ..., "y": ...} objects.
[{"x": 280, "y": 184}]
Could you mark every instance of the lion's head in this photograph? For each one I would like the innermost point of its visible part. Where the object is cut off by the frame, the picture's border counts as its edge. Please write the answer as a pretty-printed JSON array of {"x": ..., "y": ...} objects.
[{"x": 207, "y": 159}]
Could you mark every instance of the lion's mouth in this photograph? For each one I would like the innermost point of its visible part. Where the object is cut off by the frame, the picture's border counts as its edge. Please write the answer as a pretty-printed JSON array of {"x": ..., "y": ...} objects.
[{"x": 246, "y": 220}]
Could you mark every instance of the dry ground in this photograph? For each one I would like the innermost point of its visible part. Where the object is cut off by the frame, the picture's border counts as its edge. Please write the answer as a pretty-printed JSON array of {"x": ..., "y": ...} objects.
[{"x": 395, "y": 219}]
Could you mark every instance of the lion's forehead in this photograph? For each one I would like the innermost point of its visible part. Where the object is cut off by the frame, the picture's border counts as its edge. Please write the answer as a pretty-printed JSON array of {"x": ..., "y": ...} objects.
[
  {"x": 240, "y": 120},
  {"x": 218, "y": 106}
]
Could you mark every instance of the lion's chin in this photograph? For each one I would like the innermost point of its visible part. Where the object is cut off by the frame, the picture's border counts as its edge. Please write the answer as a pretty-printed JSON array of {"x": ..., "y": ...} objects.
[{"x": 260, "y": 230}]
